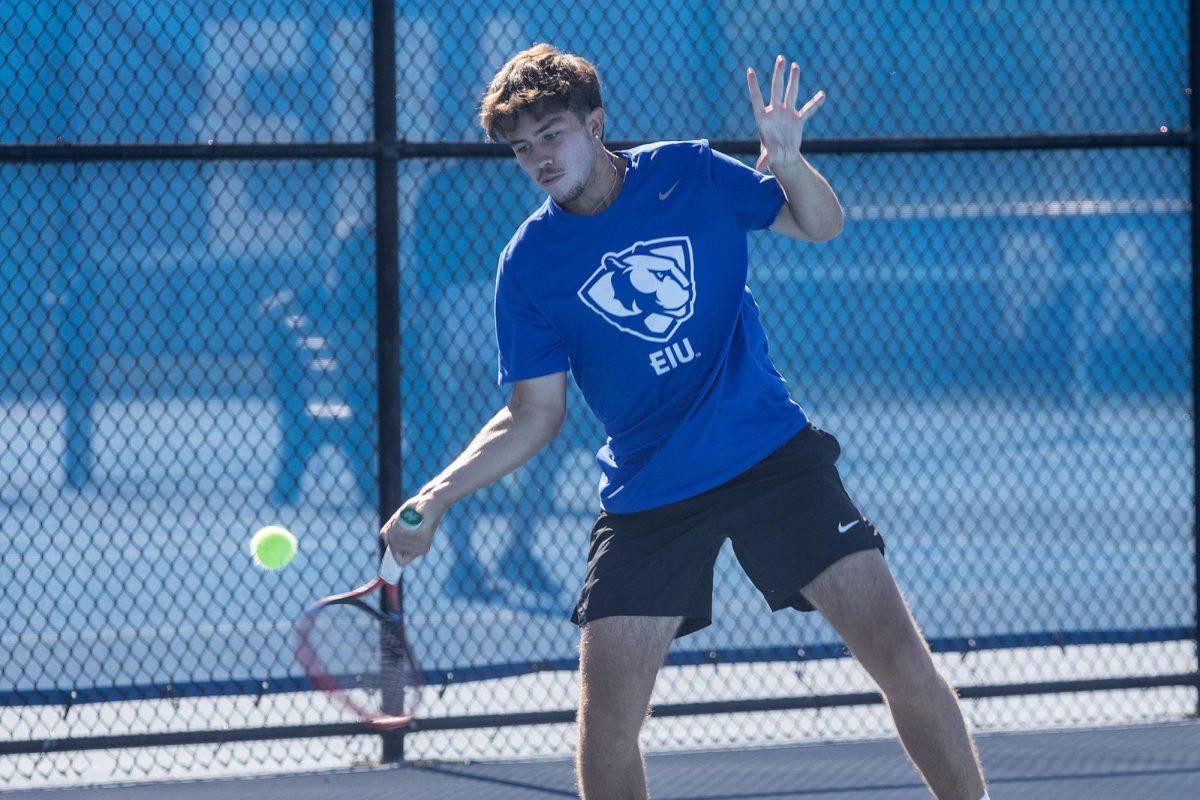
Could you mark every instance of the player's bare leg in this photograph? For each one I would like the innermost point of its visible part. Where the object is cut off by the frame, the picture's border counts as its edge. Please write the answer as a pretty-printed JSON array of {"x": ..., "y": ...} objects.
[
  {"x": 619, "y": 658},
  {"x": 860, "y": 599}
]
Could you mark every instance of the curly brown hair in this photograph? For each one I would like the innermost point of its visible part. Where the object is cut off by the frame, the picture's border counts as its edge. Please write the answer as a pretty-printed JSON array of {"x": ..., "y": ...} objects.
[{"x": 539, "y": 81}]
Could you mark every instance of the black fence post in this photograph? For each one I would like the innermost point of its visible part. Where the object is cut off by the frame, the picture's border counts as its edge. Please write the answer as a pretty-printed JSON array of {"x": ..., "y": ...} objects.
[{"x": 387, "y": 294}]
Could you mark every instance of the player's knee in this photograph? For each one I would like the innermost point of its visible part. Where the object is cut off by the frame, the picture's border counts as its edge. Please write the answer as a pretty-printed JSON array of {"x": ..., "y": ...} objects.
[
  {"x": 901, "y": 665},
  {"x": 919, "y": 681},
  {"x": 610, "y": 721}
]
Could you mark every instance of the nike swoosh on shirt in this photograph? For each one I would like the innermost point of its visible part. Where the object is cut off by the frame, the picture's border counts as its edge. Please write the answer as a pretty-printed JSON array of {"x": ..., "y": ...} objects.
[
  {"x": 843, "y": 527},
  {"x": 667, "y": 193}
]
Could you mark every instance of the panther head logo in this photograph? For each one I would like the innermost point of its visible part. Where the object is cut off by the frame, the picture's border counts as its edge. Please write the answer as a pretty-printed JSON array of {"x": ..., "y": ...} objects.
[{"x": 646, "y": 290}]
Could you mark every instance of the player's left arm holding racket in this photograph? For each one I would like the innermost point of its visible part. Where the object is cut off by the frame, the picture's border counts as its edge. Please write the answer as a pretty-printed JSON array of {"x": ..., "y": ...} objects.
[{"x": 532, "y": 417}]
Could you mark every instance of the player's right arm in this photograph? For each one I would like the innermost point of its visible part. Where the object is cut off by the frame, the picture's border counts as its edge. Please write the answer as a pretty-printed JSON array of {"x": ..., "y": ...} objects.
[{"x": 532, "y": 417}]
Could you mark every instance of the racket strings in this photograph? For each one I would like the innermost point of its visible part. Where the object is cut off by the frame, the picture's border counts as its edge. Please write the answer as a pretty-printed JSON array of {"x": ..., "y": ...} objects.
[
  {"x": 366, "y": 661},
  {"x": 399, "y": 677}
]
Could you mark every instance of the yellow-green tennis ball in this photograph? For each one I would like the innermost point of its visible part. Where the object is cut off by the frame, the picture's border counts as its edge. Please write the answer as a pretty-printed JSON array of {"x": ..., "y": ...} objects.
[{"x": 273, "y": 547}]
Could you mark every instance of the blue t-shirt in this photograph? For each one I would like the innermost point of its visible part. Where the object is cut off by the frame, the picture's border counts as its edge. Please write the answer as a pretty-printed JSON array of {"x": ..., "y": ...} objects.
[{"x": 646, "y": 304}]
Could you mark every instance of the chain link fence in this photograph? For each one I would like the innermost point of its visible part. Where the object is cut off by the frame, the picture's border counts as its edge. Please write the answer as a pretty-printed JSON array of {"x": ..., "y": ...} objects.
[{"x": 1001, "y": 340}]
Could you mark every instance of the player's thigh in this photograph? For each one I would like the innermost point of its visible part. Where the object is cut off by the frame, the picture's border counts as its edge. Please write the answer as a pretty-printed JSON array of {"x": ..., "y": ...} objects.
[
  {"x": 859, "y": 597},
  {"x": 619, "y": 658}
]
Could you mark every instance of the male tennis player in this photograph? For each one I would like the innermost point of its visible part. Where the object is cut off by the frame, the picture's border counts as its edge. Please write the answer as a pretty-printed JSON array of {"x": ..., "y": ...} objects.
[{"x": 632, "y": 277}]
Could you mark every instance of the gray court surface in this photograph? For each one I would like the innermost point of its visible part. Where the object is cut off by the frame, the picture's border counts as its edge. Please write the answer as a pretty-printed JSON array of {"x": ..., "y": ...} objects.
[{"x": 1148, "y": 762}]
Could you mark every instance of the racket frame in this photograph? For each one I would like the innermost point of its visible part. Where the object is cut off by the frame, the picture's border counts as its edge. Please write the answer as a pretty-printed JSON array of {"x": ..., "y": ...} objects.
[{"x": 391, "y": 625}]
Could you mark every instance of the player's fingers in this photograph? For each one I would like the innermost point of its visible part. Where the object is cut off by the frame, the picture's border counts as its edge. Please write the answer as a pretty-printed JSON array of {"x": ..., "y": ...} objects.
[
  {"x": 399, "y": 556},
  {"x": 388, "y": 539},
  {"x": 813, "y": 104},
  {"x": 400, "y": 553},
  {"x": 388, "y": 527},
  {"x": 392, "y": 534},
  {"x": 416, "y": 541},
  {"x": 756, "y": 98},
  {"x": 400, "y": 518},
  {"x": 793, "y": 87},
  {"x": 777, "y": 83},
  {"x": 405, "y": 555}
]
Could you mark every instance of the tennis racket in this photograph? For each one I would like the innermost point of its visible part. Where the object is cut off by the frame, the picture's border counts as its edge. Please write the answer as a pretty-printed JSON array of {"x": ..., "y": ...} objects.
[{"x": 358, "y": 653}]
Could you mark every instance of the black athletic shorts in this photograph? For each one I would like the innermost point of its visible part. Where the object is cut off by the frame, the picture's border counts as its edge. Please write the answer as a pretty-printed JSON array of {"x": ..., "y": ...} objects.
[{"x": 789, "y": 518}]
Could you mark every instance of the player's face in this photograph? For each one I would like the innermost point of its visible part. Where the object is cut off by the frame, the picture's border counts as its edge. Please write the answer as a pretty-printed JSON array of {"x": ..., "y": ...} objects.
[{"x": 560, "y": 153}]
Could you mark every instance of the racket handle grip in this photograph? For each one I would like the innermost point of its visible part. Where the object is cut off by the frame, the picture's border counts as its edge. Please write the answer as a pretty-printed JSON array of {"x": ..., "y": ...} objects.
[{"x": 389, "y": 570}]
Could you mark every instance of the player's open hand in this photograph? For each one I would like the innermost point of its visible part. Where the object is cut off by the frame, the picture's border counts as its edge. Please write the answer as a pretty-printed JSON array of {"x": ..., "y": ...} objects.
[{"x": 780, "y": 125}]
